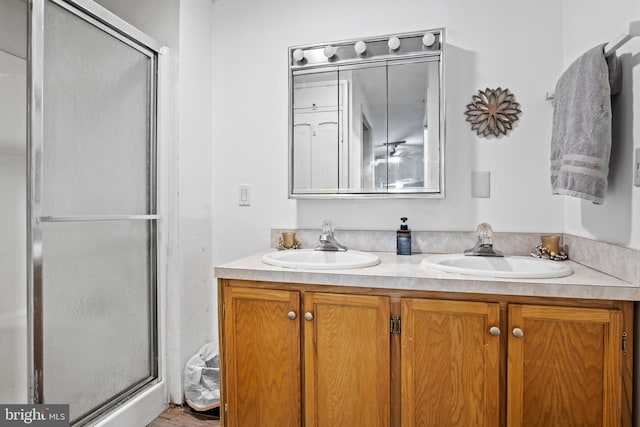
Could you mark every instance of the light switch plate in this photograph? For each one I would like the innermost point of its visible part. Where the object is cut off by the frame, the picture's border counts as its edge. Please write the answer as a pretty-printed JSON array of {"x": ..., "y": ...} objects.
[
  {"x": 244, "y": 195},
  {"x": 480, "y": 184}
]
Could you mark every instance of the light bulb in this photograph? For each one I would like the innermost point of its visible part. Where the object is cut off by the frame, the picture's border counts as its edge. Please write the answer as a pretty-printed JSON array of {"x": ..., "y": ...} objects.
[
  {"x": 360, "y": 47},
  {"x": 298, "y": 55},
  {"x": 394, "y": 43},
  {"x": 428, "y": 39},
  {"x": 329, "y": 51}
]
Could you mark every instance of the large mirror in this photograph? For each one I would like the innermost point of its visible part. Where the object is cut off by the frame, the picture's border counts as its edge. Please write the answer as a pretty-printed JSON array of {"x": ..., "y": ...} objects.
[{"x": 367, "y": 120}]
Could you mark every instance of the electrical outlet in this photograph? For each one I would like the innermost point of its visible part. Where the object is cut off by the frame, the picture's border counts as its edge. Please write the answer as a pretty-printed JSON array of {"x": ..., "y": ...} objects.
[{"x": 636, "y": 168}]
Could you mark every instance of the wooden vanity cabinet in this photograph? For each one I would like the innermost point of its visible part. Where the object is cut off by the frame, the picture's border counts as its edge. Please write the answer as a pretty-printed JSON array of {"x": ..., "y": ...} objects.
[
  {"x": 450, "y": 363},
  {"x": 346, "y": 360},
  {"x": 317, "y": 356},
  {"x": 261, "y": 358},
  {"x": 565, "y": 367},
  {"x": 450, "y": 360}
]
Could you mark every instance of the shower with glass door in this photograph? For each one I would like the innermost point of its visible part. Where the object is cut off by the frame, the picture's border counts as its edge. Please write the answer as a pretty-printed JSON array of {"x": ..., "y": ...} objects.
[{"x": 79, "y": 216}]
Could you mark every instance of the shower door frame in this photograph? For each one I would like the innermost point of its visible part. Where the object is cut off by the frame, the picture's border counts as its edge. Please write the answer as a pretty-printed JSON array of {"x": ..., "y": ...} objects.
[{"x": 99, "y": 17}]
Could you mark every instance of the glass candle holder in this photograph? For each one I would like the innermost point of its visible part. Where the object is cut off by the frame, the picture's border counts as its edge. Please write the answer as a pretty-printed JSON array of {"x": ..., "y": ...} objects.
[
  {"x": 288, "y": 239},
  {"x": 552, "y": 243}
]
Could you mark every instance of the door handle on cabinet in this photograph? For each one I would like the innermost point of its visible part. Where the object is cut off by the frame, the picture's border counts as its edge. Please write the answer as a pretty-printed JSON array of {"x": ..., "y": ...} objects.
[
  {"x": 517, "y": 332},
  {"x": 308, "y": 316},
  {"x": 494, "y": 331},
  {"x": 292, "y": 315}
]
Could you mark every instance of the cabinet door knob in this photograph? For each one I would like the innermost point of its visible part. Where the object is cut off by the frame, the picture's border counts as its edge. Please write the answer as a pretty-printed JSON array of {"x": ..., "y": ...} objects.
[
  {"x": 308, "y": 316},
  {"x": 517, "y": 332},
  {"x": 292, "y": 315},
  {"x": 494, "y": 331}
]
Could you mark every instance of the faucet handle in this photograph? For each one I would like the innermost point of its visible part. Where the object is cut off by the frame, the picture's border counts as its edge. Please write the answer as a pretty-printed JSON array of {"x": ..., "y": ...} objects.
[
  {"x": 327, "y": 227},
  {"x": 484, "y": 231}
]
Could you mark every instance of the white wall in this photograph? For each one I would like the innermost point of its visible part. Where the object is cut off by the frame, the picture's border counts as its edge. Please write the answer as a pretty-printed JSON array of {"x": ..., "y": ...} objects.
[
  {"x": 158, "y": 19},
  {"x": 587, "y": 24},
  {"x": 199, "y": 296},
  {"x": 515, "y": 45}
]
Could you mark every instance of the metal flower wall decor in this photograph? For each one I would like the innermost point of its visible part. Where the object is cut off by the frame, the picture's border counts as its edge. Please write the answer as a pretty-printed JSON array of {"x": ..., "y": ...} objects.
[{"x": 492, "y": 112}]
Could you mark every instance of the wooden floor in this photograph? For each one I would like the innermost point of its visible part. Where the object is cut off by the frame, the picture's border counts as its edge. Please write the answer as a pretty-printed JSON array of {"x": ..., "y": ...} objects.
[{"x": 176, "y": 416}]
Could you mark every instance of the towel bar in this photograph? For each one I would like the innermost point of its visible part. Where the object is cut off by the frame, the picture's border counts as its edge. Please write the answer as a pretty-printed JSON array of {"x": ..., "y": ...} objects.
[{"x": 612, "y": 46}]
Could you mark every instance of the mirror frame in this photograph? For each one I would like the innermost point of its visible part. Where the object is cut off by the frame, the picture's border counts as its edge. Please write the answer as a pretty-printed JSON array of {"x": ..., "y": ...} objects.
[{"x": 391, "y": 57}]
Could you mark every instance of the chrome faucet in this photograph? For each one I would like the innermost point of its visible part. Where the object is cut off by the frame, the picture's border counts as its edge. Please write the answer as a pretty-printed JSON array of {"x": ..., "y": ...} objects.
[
  {"x": 484, "y": 245},
  {"x": 327, "y": 241}
]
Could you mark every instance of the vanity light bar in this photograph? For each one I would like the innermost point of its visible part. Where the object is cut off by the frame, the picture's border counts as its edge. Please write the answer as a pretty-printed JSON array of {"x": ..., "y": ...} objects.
[{"x": 422, "y": 43}]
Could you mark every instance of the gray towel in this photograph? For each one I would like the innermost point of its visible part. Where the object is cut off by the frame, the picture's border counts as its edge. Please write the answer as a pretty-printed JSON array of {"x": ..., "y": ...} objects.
[{"x": 581, "y": 135}]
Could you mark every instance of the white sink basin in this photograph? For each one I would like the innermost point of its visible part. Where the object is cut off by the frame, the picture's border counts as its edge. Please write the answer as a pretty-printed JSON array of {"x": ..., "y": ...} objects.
[
  {"x": 513, "y": 267},
  {"x": 320, "y": 260}
]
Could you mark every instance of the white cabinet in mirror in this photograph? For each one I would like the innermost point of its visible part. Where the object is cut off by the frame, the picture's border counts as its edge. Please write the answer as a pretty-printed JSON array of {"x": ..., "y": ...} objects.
[{"x": 368, "y": 120}]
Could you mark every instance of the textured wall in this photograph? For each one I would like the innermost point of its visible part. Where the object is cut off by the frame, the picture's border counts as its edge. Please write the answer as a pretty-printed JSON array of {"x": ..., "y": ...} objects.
[{"x": 514, "y": 45}]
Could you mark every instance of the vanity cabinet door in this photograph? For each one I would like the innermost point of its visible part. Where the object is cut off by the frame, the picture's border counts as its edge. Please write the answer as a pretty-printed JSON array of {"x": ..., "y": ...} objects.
[
  {"x": 564, "y": 367},
  {"x": 261, "y": 357},
  {"x": 346, "y": 360},
  {"x": 450, "y": 356}
]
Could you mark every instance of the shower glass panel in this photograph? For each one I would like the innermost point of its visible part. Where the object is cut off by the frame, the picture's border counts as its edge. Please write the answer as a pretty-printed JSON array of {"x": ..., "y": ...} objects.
[
  {"x": 96, "y": 311},
  {"x": 96, "y": 115},
  {"x": 93, "y": 209},
  {"x": 13, "y": 204}
]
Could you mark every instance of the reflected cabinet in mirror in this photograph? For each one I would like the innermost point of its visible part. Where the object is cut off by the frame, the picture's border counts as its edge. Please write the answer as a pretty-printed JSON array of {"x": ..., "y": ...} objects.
[{"x": 367, "y": 117}]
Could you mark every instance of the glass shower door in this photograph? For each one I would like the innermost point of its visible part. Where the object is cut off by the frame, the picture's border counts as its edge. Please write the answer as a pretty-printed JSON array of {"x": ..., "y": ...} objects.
[{"x": 93, "y": 226}]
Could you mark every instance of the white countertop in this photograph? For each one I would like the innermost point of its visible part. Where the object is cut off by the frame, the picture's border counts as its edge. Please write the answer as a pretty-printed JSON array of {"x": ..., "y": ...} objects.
[{"x": 398, "y": 272}]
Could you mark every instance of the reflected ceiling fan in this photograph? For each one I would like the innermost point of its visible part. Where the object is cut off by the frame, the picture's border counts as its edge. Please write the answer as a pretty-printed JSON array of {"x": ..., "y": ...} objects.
[{"x": 393, "y": 145}]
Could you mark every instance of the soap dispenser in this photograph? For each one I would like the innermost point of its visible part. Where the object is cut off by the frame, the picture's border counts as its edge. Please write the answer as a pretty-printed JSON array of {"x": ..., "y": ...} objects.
[{"x": 403, "y": 238}]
